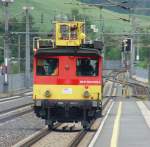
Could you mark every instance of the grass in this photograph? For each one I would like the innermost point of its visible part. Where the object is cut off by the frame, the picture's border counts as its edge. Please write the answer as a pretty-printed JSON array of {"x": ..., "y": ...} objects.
[{"x": 58, "y": 7}]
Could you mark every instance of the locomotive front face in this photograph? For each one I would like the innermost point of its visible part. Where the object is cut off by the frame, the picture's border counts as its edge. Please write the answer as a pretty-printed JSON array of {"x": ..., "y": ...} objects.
[
  {"x": 67, "y": 88},
  {"x": 67, "y": 78}
]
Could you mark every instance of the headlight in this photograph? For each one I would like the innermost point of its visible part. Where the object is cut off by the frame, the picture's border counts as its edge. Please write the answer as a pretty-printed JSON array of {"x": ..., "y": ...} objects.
[
  {"x": 86, "y": 94},
  {"x": 47, "y": 93}
]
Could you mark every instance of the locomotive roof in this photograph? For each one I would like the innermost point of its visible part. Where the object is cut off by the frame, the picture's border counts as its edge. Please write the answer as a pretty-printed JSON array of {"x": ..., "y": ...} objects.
[{"x": 69, "y": 52}]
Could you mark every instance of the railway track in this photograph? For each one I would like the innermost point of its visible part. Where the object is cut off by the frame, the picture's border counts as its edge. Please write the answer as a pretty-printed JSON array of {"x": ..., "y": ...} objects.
[
  {"x": 7, "y": 99},
  {"x": 76, "y": 141},
  {"x": 27, "y": 142},
  {"x": 31, "y": 140},
  {"x": 73, "y": 141},
  {"x": 139, "y": 89},
  {"x": 15, "y": 108},
  {"x": 81, "y": 135},
  {"x": 15, "y": 112},
  {"x": 16, "y": 93}
]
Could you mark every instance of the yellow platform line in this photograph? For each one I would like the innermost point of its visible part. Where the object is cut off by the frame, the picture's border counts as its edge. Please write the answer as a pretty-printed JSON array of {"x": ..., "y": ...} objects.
[{"x": 115, "y": 134}]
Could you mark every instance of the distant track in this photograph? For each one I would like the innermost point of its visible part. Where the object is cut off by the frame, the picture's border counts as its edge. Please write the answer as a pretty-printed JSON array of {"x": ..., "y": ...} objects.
[
  {"x": 13, "y": 113},
  {"x": 15, "y": 108},
  {"x": 16, "y": 94},
  {"x": 5, "y": 99}
]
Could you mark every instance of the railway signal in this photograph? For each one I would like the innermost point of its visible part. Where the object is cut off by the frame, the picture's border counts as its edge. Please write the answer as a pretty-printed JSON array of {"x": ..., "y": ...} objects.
[{"x": 127, "y": 45}]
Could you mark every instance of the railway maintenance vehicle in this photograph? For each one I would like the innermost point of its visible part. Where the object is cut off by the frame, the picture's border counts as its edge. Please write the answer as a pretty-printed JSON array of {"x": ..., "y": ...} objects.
[{"x": 67, "y": 84}]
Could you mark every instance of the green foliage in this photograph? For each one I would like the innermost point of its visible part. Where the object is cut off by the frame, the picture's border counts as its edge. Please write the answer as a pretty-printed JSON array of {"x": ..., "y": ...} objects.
[
  {"x": 1, "y": 56},
  {"x": 113, "y": 54},
  {"x": 144, "y": 48},
  {"x": 50, "y": 8},
  {"x": 16, "y": 25},
  {"x": 130, "y": 3},
  {"x": 14, "y": 68},
  {"x": 75, "y": 14},
  {"x": 1, "y": 43},
  {"x": 112, "y": 46},
  {"x": 143, "y": 64}
]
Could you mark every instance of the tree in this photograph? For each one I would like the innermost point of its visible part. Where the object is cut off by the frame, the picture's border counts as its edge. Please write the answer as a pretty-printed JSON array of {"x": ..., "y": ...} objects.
[
  {"x": 1, "y": 42},
  {"x": 75, "y": 14},
  {"x": 16, "y": 25},
  {"x": 112, "y": 45},
  {"x": 144, "y": 47}
]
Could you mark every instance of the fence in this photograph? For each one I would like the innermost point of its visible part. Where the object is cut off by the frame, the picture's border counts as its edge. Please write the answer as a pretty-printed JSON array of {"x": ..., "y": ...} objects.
[{"x": 16, "y": 82}]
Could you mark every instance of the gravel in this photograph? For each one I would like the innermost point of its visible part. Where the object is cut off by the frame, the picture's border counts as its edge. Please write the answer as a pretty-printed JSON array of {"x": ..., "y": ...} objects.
[
  {"x": 58, "y": 138},
  {"x": 19, "y": 128}
]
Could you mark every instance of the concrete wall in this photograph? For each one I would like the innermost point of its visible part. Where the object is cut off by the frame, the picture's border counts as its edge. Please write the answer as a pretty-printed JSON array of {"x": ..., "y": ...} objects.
[{"x": 16, "y": 82}]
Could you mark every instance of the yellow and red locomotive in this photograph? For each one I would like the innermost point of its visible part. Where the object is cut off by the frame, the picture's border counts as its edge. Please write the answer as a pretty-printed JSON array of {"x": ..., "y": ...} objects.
[{"x": 67, "y": 76}]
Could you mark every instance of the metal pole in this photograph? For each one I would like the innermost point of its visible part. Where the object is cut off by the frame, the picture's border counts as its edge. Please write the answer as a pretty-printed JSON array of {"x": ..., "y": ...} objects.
[
  {"x": 132, "y": 57},
  {"x": 19, "y": 54},
  {"x": 149, "y": 73},
  {"x": 149, "y": 69},
  {"x": 27, "y": 66},
  {"x": 138, "y": 51},
  {"x": 101, "y": 31},
  {"x": 6, "y": 47}
]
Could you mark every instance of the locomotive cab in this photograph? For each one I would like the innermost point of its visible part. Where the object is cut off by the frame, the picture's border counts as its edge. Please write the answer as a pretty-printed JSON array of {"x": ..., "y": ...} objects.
[{"x": 67, "y": 88}]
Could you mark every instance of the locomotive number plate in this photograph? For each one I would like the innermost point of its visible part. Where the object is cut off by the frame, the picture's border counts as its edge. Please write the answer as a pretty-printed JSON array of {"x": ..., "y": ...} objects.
[{"x": 67, "y": 91}]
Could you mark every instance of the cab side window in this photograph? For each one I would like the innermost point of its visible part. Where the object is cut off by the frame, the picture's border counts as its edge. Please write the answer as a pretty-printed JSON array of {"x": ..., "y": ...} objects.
[
  {"x": 47, "y": 67},
  {"x": 87, "y": 67}
]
